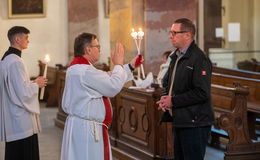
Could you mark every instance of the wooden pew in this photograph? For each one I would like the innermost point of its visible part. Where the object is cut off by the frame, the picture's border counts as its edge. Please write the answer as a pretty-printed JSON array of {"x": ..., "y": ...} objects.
[
  {"x": 50, "y": 94},
  {"x": 251, "y": 65},
  {"x": 253, "y": 100},
  {"x": 253, "y": 84},
  {"x": 230, "y": 107},
  {"x": 246, "y": 74},
  {"x": 226, "y": 76},
  {"x": 236, "y": 72},
  {"x": 136, "y": 132}
]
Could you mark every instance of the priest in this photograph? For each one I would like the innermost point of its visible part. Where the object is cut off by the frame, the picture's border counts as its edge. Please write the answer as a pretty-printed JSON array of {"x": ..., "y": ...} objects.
[
  {"x": 85, "y": 100},
  {"x": 19, "y": 105}
]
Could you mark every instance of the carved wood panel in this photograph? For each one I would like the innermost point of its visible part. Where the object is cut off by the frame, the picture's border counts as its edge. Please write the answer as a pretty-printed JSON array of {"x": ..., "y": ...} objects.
[{"x": 138, "y": 132}]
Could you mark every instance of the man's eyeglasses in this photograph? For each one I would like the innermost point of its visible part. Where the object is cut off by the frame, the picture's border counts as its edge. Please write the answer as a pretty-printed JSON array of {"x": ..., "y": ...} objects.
[
  {"x": 176, "y": 32},
  {"x": 98, "y": 46}
]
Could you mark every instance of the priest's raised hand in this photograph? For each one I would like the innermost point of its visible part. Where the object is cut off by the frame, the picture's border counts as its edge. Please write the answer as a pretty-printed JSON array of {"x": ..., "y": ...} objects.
[{"x": 118, "y": 54}]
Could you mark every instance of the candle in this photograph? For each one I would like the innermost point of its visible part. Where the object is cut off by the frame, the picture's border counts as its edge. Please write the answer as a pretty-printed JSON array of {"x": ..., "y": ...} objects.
[
  {"x": 46, "y": 60},
  {"x": 138, "y": 36},
  {"x": 134, "y": 34},
  {"x": 140, "y": 33}
]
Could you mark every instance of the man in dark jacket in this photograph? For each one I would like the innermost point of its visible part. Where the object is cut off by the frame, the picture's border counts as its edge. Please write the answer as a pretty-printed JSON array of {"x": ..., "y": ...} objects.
[{"x": 187, "y": 99}]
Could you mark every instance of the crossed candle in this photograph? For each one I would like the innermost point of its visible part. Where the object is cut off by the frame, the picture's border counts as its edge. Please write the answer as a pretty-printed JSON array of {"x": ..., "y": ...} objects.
[{"x": 138, "y": 36}]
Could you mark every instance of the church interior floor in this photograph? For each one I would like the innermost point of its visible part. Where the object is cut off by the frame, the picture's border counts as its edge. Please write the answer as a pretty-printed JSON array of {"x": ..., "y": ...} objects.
[{"x": 51, "y": 137}]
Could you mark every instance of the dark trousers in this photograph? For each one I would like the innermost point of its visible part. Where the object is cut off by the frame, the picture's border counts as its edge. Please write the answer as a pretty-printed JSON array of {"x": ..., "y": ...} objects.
[
  {"x": 190, "y": 143},
  {"x": 24, "y": 149}
]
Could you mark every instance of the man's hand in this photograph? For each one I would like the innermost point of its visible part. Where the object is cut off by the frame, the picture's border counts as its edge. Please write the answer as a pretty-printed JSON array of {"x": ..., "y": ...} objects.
[
  {"x": 165, "y": 103},
  {"x": 118, "y": 55},
  {"x": 41, "y": 81}
]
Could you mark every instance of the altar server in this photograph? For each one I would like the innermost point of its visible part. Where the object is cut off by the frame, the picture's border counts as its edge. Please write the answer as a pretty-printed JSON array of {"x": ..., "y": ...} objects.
[
  {"x": 85, "y": 100},
  {"x": 19, "y": 105}
]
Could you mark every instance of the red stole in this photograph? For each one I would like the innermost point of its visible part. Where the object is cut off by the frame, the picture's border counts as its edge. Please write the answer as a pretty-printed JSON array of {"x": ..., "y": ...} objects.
[
  {"x": 108, "y": 117},
  {"x": 79, "y": 60}
]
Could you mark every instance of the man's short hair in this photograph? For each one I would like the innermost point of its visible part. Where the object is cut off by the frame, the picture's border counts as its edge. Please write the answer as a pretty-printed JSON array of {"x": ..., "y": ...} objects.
[
  {"x": 186, "y": 25},
  {"x": 12, "y": 32},
  {"x": 81, "y": 41}
]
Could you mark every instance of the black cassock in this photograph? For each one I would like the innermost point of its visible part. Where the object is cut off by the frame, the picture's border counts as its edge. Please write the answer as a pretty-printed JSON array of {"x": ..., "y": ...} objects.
[{"x": 23, "y": 149}]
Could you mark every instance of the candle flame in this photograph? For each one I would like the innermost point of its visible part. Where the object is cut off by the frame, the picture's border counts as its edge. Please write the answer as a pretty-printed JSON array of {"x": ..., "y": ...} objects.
[
  {"x": 47, "y": 58},
  {"x": 134, "y": 34},
  {"x": 137, "y": 35},
  {"x": 140, "y": 33}
]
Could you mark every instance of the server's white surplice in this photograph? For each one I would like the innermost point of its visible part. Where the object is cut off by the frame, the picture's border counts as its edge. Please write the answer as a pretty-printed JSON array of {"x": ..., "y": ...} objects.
[
  {"x": 19, "y": 105},
  {"x": 82, "y": 101}
]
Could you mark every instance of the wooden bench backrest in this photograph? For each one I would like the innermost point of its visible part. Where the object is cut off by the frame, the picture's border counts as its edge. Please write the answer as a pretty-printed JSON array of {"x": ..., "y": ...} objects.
[
  {"x": 228, "y": 80},
  {"x": 223, "y": 97},
  {"x": 236, "y": 72}
]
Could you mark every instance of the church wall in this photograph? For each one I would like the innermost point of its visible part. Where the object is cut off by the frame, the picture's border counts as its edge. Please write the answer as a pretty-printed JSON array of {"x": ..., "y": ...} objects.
[
  {"x": 88, "y": 16},
  {"x": 120, "y": 26},
  {"x": 104, "y": 34},
  {"x": 82, "y": 17},
  {"x": 159, "y": 16},
  {"x": 244, "y": 16},
  {"x": 48, "y": 34}
]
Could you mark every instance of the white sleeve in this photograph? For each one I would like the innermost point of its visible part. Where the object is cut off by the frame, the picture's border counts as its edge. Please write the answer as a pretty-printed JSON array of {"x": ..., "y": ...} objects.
[
  {"x": 107, "y": 84},
  {"x": 22, "y": 91},
  {"x": 129, "y": 73}
]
